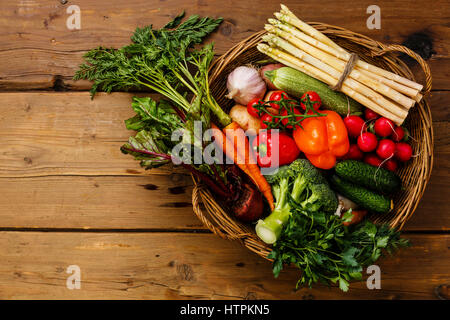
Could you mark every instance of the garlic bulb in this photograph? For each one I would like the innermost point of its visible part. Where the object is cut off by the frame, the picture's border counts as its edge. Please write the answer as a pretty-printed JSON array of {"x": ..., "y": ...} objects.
[{"x": 245, "y": 84}]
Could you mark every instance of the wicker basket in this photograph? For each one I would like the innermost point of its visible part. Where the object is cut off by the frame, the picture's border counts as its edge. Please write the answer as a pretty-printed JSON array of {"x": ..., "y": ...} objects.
[{"x": 414, "y": 176}]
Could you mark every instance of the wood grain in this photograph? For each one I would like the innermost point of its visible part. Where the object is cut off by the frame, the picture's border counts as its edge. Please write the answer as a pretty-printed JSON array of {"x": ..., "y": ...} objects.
[
  {"x": 65, "y": 133},
  {"x": 58, "y": 148},
  {"x": 60, "y": 167},
  {"x": 37, "y": 51},
  {"x": 189, "y": 266}
]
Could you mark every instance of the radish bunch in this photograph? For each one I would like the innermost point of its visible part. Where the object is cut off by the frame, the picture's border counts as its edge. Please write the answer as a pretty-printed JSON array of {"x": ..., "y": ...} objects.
[{"x": 377, "y": 140}]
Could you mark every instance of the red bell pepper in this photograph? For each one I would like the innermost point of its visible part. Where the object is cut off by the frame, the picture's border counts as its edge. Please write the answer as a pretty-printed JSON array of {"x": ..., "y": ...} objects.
[{"x": 274, "y": 149}]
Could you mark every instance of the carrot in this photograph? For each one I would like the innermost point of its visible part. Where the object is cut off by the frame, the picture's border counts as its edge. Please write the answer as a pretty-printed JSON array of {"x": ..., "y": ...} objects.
[
  {"x": 229, "y": 149},
  {"x": 237, "y": 136},
  {"x": 358, "y": 216}
]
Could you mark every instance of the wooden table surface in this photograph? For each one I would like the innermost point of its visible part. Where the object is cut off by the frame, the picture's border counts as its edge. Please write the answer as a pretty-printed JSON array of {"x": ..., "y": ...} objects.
[{"x": 69, "y": 197}]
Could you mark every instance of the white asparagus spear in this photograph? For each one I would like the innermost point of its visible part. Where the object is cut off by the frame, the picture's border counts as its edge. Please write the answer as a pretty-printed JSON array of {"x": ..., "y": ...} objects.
[
  {"x": 335, "y": 63},
  {"x": 410, "y": 92},
  {"x": 295, "y": 63},
  {"x": 357, "y": 86},
  {"x": 342, "y": 54},
  {"x": 292, "y": 19},
  {"x": 364, "y": 90}
]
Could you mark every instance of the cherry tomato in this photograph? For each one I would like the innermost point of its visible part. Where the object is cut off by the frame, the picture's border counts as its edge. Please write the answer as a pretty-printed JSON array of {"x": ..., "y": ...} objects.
[
  {"x": 276, "y": 96},
  {"x": 313, "y": 97},
  {"x": 286, "y": 120},
  {"x": 251, "y": 107},
  {"x": 266, "y": 117}
]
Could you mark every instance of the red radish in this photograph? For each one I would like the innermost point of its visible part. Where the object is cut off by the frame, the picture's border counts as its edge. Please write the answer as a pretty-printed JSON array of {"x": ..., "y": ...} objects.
[
  {"x": 251, "y": 109},
  {"x": 269, "y": 67},
  {"x": 386, "y": 148},
  {"x": 355, "y": 125},
  {"x": 313, "y": 97},
  {"x": 354, "y": 153},
  {"x": 398, "y": 134},
  {"x": 390, "y": 164},
  {"x": 383, "y": 127},
  {"x": 403, "y": 151},
  {"x": 367, "y": 142},
  {"x": 373, "y": 160},
  {"x": 370, "y": 115}
]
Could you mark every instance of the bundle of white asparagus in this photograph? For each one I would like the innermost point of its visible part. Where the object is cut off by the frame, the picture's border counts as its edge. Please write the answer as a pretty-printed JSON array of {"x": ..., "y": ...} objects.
[{"x": 296, "y": 44}]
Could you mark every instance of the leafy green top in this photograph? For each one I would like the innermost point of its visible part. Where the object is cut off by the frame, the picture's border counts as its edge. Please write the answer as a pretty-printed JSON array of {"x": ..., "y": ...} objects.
[
  {"x": 327, "y": 251},
  {"x": 160, "y": 60}
]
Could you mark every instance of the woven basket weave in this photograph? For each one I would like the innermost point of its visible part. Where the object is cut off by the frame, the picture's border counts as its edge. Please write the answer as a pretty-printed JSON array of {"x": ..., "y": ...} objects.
[{"x": 415, "y": 174}]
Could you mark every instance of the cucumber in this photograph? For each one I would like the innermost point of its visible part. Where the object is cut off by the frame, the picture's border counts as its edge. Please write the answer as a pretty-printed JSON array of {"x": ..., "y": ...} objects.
[
  {"x": 374, "y": 178},
  {"x": 296, "y": 83},
  {"x": 365, "y": 198}
]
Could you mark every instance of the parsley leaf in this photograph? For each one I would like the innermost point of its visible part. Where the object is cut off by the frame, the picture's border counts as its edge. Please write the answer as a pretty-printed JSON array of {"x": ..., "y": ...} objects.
[{"x": 327, "y": 251}]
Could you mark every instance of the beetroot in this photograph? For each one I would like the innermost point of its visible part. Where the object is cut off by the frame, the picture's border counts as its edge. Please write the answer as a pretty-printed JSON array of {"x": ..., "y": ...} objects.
[{"x": 249, "y": 206}]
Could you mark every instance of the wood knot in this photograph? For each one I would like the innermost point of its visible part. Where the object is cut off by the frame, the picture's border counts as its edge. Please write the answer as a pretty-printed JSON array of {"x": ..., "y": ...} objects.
[
  {"x": 226, "y": 29},
  {"x": 185, "y": 272}
]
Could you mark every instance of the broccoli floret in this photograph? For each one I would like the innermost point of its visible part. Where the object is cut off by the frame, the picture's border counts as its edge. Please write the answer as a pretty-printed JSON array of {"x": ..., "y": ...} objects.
[
  {"x": 296, "y": 182},
  {"x": 320, "y": 197}
]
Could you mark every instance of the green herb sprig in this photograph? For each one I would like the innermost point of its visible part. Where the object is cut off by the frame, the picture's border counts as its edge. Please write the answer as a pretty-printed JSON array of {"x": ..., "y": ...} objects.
[{"x": 326, "y": 251}]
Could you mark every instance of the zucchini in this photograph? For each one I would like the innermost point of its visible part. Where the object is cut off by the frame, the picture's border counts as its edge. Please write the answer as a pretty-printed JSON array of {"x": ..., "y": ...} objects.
[
  {"x": 296, "y": 83},
  {"x": 374, "y": 178},
  {"x": 365, "y": 198}
]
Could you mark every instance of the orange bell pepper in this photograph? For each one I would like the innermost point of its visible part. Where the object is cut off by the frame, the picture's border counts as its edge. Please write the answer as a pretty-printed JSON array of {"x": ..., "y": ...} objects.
[{"x": 322, "y": 139}]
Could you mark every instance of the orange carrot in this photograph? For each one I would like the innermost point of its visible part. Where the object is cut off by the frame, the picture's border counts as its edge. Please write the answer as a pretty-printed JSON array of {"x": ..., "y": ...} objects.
[
  {"x": 237, "y": 136},
  {"x": 358, "y": 216},
  {"x": 229, "y": 149}
]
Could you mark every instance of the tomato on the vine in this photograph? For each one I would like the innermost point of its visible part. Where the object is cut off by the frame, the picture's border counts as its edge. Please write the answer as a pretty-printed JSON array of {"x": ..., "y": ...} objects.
[
  {"x": 251, "y": 107},
  {"x": 277, "y": 96},
  {"x": 267, "y": 117},
  {"x": 285, "y": 121},
  {"x": 313, "y": 97}
]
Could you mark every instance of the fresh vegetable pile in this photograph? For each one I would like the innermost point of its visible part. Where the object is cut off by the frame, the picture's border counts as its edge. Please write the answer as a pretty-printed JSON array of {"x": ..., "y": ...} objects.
[{"x": 302, "y": 162}]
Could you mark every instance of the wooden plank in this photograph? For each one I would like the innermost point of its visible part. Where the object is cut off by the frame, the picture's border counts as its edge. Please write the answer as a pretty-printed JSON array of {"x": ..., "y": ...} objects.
[
  {"x": 65, "y": 134},
  {"x": 190, "y": 266},
  {"x": 58, "y": 148},
  {"x": 38, "y": 51},
  {"x": 144, "y": 202}
]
